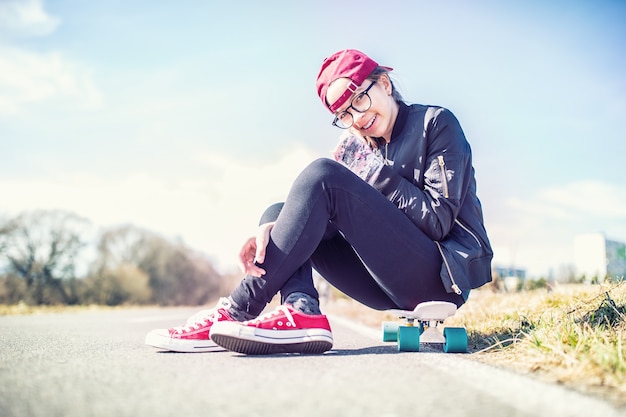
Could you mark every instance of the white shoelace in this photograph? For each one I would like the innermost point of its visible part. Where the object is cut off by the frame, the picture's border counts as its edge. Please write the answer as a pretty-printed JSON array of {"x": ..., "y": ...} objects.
[
  {"x": 273, "y": 313},
  {"x": 203, "y": 317},
  {"x": 200, "y": 316}
]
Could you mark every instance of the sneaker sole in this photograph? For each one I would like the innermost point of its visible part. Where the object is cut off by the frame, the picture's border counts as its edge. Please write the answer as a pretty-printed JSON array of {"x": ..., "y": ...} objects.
[
  {"x": 306, "y": 342},
  {"x": 251, "y": 347},
  {"x": 179, "y": 345}
]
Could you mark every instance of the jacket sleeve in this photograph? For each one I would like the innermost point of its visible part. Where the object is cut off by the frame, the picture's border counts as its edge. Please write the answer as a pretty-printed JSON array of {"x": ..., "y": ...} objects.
[{"x": 435, "y": 201}]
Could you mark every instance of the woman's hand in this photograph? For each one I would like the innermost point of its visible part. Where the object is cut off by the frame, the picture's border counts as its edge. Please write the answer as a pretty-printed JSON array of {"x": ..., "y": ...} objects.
[{"x": 253, "y": 250}]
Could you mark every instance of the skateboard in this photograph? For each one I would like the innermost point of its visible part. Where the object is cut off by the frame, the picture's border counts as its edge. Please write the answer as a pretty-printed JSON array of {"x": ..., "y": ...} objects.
[{"x": 421, "y": 326}]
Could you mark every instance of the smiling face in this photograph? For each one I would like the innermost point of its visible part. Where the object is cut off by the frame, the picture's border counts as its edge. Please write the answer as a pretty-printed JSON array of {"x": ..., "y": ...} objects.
[{"x": 379, "y": 119}]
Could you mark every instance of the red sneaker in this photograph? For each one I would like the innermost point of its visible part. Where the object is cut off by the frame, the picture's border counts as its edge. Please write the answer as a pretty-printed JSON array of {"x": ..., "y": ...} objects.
[
  {"x": 194, "y": 335},
  {"x": 283, "y": 330}
]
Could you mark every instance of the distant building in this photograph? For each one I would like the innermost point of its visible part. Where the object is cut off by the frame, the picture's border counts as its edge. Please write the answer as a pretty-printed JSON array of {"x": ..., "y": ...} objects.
[
  {"x": 512, "y": 278},
  {"x": 509, "y": 271},
  {"x": 597, "y": 257}
]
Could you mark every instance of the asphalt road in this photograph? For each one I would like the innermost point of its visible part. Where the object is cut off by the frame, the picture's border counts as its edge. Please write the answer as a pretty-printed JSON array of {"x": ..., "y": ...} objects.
[{"x": 94, "y": 363}]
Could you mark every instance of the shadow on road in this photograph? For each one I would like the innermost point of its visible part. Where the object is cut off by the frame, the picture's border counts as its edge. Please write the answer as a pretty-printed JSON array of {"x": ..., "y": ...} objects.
[{"x": 373, "y": 350}]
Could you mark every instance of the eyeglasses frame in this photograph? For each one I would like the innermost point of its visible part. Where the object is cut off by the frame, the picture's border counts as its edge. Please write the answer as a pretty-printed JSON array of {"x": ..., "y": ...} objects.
[{"x": 364, "y": 92}]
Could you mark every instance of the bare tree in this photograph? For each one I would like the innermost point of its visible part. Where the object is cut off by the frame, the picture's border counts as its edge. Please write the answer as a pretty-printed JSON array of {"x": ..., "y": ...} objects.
[
  {"x": 176, "y": 274},
  {"x": 41, "y": 247},
  {"x": 40, "y": 253}
]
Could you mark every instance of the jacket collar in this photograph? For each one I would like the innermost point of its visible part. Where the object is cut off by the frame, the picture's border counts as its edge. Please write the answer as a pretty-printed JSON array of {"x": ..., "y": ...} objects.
[{"x": 403, "y": 115}]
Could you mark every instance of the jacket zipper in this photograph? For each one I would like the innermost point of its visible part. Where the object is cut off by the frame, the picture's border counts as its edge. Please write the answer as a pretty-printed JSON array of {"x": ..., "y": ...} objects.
[
  {"x": 446, "y": 194},
  {"x": 455, "y": 287},
  {"x": 444, "y": 177},
  {"x": 468, "y": 231}
]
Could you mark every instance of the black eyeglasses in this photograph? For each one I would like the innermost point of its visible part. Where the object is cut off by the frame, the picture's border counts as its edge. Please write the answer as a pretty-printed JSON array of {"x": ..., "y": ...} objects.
[{"x": 360, "y": 104}]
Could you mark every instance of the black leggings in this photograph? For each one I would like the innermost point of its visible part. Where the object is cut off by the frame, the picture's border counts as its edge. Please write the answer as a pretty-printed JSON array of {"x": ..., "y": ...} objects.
[{"x": 354, "y": 237}]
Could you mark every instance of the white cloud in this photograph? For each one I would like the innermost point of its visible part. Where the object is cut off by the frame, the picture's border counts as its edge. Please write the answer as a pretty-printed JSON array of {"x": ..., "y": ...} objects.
[
  {"x": 213, "y": 214},
  {"x": 30, "y": 77},
  {"x": 25, "y": 18},
  {"x": 586, "y": 198},
  {"x": 537, "y": 233},
  {"x": 27, "y": 77}
]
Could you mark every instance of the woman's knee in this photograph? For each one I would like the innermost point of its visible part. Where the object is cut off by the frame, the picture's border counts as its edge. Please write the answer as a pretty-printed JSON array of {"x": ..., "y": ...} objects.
[
  {"x": 271, "y": 213},
  {"x": 324, "y": 166},
  {"x": 321, "y": 171}
]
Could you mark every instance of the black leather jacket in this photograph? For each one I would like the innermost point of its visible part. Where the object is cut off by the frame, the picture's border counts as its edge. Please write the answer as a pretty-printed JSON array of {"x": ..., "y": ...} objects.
[{"x": 427, "y": 142}]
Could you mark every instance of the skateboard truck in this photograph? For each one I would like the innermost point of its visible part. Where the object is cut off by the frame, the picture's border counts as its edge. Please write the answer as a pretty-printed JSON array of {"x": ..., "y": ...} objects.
[{"x": 428, "y": 316}]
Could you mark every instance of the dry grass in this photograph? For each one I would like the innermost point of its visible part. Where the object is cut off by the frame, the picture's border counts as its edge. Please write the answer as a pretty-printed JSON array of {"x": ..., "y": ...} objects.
[{"x": 573, "y": 335}]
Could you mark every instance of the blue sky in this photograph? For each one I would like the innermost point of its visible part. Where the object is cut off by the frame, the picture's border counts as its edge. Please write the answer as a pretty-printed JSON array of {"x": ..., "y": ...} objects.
[{"x": 189, "y": 118}]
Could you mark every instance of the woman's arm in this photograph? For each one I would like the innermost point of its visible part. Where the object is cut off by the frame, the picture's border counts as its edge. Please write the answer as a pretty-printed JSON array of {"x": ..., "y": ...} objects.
[{"x": 446, "y": 177}]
